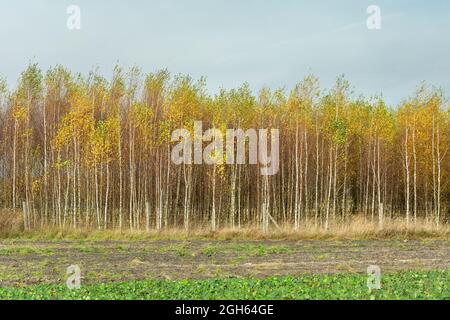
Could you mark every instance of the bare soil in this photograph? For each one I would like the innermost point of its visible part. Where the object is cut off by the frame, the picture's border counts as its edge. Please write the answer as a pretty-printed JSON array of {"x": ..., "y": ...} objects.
[{"x": 24, "y": 262}]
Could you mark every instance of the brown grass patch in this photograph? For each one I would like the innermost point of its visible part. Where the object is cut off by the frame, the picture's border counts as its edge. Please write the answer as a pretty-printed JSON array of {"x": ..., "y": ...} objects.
[
  {"x": 11, "y": 226},
  {"x": 10, "y": 221}
]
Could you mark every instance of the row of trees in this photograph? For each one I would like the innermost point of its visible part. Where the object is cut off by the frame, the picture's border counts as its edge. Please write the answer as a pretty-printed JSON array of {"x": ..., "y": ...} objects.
[{"x": 83, "y": 151}]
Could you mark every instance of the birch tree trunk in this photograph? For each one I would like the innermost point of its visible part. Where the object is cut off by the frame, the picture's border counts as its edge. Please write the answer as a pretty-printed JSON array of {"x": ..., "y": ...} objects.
[{"x": 407, "y": 177}]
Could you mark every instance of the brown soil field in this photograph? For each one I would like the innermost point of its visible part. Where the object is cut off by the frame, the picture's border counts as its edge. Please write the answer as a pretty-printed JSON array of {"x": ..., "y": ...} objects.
[{"x": 24, "y": 262}]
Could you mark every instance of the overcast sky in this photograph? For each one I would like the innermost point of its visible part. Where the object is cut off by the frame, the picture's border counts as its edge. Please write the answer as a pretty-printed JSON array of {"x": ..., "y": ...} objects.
[{"x": 271, "y": 42}]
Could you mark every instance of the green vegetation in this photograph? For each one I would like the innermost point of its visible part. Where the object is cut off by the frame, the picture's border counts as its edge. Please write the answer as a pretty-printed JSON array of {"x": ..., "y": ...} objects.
[
  {"x": 86, "y": 249},
  {"x": 180, "y": 250},
  {"x": 211, "y": 250},
  {"x": 405, "y": 285},
  {"x": 247, "y": 249},
  {"x": 262, "y": 250},
  {"x": 25, "y": 251}
]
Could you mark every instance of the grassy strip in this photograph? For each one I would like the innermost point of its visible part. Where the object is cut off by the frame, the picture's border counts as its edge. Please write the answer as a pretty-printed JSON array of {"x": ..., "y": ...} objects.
[
  {"x": 405, "y": 285},
  {"x": 352, "y": 232}
]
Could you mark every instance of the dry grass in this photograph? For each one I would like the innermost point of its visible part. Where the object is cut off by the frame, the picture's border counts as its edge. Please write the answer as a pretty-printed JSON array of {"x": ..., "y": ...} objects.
[
  {"x": 356, "y": 229},
  {"x": 10, "y": 221}
]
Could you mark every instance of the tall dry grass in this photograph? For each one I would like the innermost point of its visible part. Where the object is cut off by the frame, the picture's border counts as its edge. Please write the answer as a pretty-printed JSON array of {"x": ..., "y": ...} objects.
[
  {"x": 358, "y": 228},
  {"x": 10, "y": 221}
]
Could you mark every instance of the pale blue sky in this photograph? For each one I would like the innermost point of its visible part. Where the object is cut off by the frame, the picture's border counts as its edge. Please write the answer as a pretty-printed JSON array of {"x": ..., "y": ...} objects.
[{"x": 272, "y": 42}]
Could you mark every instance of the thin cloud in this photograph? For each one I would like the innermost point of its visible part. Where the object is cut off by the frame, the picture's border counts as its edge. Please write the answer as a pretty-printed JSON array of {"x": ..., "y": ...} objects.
[{"x": 307, "y": 37}]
